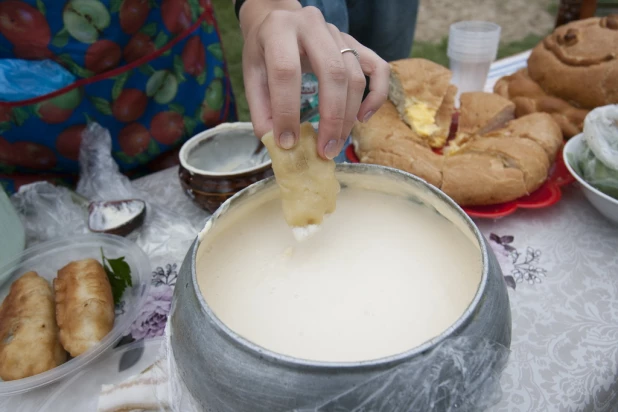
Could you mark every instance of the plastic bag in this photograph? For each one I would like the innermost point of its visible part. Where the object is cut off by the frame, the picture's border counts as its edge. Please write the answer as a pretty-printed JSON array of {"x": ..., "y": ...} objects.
[
  {"x": 598, "y": 162},
  {"x": 461, "y": 374},
  {"x": 26, "y": 79},
  {"x": 601, "y": 134},
  {"x": 49, "y": 212}
]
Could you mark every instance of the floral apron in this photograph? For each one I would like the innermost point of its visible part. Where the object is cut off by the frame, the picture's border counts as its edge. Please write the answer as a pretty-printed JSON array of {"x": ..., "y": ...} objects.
[{"x": 151, "y": 72}]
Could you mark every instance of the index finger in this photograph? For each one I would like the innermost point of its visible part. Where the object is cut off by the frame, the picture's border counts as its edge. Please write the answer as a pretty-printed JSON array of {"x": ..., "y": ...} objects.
[{"x": 282, "y": 59}]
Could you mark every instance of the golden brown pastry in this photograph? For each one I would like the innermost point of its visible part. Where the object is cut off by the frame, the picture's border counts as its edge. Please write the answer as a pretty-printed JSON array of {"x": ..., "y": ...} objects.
[
  {"x": 307, "y": 182},
  {"x": 539, "y": 127},
  {"x": 472, "y": 179},
  {"x": 578, "y": 62},
  {"x": 385, "y": 124},
  {"x": 84, "y": 305},
  {"x": 480, "y": 113},
  {"x": 424, "y": 97},
  {"x": 523, "y": 154},
  {"x": 29, "y": 342},
  {"x": 494, "y": 158},
  {"x": 528, "y": 98}
]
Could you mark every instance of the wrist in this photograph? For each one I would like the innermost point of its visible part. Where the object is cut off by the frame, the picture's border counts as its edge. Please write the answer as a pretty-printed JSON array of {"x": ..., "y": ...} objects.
[{"x": 253, "y": 12}]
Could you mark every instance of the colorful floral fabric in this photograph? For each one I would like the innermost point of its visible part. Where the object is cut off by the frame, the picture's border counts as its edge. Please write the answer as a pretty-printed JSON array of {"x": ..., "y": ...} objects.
[{"x": 151, "y": 72}]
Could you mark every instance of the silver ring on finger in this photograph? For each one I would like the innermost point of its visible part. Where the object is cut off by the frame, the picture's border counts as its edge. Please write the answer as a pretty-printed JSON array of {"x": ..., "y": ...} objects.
[{"x": 353, "y": 51}]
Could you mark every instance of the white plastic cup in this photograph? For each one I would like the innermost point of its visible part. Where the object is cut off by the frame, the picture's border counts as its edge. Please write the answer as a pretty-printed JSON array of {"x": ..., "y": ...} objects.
[{"x": 472, "y": 47}]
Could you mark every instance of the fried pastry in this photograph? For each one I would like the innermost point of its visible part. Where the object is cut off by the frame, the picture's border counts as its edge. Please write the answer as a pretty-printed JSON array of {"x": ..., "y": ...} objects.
[
  {"x": 307, "y": 182},
  {"x": 84, "y": 305},
  {"x": 29, "y": 342}
]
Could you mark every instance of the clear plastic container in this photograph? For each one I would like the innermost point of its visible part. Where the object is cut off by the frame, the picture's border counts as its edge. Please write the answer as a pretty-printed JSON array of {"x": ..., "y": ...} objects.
[
  {"x": 81, "y": 392},
  {"x": 472, "y": 47},
  {"x": 46, "y": 259}
]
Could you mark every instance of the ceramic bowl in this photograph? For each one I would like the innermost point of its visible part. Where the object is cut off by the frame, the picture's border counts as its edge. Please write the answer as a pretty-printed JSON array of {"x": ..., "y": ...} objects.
[
  {"x": 219, "y": 162},
  {"x": 605, "y": 204}
]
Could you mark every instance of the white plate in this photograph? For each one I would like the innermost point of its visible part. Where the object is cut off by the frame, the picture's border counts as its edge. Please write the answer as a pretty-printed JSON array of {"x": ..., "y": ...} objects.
[
  {"x": 606, "y": 205},
  {"x": 81, "y": 392},
  {"x": 46, "y": 259}
]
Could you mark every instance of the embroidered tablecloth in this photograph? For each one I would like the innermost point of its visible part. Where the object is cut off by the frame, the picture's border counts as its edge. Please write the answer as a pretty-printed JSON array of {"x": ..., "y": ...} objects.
[{"x": 561, "y": 268}]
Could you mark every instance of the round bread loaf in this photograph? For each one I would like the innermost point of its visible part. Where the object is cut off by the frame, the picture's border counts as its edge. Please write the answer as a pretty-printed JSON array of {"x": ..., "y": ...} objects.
[
  {"x": 578, "y": 62},
  {"x": 510, "y": 161}
]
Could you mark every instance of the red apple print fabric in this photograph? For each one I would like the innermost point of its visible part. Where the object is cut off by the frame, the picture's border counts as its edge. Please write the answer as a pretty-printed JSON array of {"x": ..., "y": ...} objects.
[{"x": 150, "y": 71}]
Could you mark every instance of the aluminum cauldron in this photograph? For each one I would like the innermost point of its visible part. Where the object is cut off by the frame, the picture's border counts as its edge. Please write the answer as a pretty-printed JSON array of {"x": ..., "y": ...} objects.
[{"x": 226, "y": 373}]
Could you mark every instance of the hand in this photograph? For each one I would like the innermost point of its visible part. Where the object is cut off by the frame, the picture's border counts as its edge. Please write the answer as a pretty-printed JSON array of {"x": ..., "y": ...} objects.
[{"x": 284, "y": 40}]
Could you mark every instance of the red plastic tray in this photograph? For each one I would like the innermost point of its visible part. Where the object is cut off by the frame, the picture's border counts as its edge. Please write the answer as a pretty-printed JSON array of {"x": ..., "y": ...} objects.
[{"x": 547, "y": 195}]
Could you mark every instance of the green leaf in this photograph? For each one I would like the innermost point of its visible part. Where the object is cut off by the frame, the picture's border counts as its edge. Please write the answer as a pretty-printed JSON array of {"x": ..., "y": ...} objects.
[
  {"x": 215, "y": 50},
  {"x": 115, "y": 6},
  {"x": 61, "y": 38},
  {"x": 178, "y": 108},
  {"x": 146, "y": 70},
  {"x": 89, "y": 119},
  {"x": 160, "y": 40},
  {"x": 124, "y": 158},
  {"x": 41, "y": 6},
  {"x": 219, "y": 72},
  {"x": 201, "y": 79},
  {"x": 189, "y": 125},
  {"x": 119, "y": 84},
  {"x": 153, "y": 148},
  {"x": 154, "y": 4},
  {"x": 74, "y": 67},
  {"x": 5, "y": 127},
  {"x": 20, "y": 115},
  {"x": 101, "y": 105},
  {"x": 195, "y": 9},
  {"x": 167, "y": 52},
  {"x": 119, "y": 274},
  {"x": 179, "y": 69},
  {"x": 150, "y": 29}
]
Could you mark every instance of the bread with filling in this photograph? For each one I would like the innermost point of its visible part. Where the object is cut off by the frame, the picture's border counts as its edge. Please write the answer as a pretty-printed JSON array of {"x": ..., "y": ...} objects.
[{"x": 424, "y": 97}]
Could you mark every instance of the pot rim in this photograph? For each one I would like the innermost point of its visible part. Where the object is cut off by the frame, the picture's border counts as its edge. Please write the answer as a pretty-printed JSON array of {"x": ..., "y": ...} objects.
[
  {"x": 209, "y": 134},
  {"x": 270, "y": 355}
]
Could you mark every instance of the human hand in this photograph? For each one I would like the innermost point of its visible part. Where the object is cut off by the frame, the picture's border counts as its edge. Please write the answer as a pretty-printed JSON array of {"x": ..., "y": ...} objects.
[{"x": 284, "y": 40}]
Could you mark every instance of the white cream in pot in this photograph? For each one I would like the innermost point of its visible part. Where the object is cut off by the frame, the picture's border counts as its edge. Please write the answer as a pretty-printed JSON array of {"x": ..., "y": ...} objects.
[{"x": 382, "y": 276}]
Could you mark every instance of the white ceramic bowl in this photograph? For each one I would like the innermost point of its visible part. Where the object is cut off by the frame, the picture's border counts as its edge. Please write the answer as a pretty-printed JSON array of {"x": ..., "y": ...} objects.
[
  {"x": 606, "y": 205},
  {"x": 46, "y": 259}
]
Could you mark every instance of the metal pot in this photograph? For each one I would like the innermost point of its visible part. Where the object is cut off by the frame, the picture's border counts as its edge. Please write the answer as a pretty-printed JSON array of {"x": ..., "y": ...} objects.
[{"x": 224, "y": 372}]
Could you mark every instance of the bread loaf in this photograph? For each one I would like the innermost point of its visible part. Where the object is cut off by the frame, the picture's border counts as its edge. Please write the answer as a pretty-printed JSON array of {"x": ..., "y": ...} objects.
[
  {"x": 494, "y": 158},
  {"x": 424, "y": 97}
]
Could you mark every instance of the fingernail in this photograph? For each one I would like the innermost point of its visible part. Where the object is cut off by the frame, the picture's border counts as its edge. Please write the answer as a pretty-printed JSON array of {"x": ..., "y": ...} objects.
[
  {"x": 286, "y": 140},
  {"x": 368, "y": 116},
  {"x": 331, "y": 150}
]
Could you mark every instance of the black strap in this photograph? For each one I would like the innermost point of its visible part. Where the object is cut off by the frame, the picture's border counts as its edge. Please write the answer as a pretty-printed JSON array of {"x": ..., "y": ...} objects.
[{"x": 237, "y": 7}]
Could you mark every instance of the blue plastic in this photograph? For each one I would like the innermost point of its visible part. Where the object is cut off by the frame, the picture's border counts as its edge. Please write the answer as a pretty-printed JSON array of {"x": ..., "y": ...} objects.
[{"x": 26, "y": 79}]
